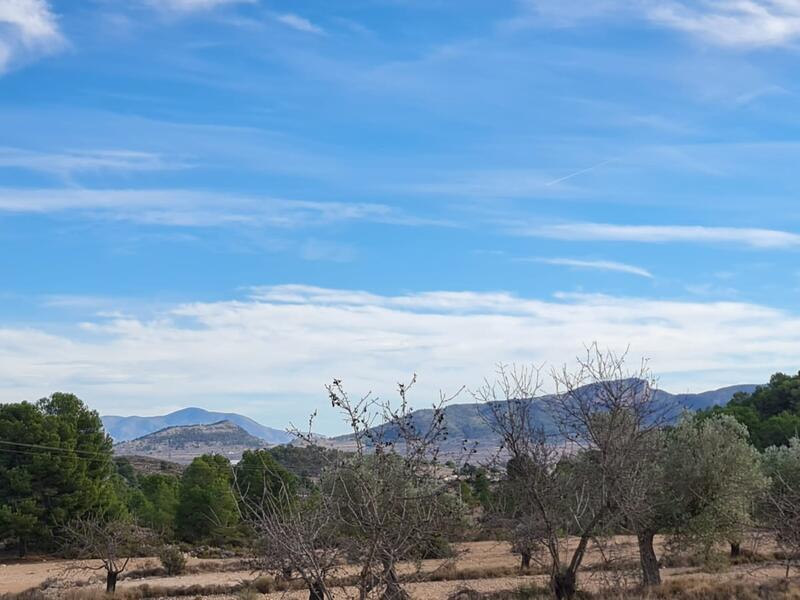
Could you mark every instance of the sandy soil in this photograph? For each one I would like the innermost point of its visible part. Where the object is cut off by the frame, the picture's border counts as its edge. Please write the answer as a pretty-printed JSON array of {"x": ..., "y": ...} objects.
[{"x": 19, "y": 576}]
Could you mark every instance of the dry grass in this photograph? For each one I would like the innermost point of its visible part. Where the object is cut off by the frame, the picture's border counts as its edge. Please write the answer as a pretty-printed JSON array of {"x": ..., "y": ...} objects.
[
  {"x": 486, "y": 567},
  {"x": 674, "y": 590}
]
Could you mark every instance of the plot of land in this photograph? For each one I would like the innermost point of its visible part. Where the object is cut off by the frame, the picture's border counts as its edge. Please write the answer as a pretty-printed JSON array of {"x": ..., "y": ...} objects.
[{"x": 482, "y": 566}]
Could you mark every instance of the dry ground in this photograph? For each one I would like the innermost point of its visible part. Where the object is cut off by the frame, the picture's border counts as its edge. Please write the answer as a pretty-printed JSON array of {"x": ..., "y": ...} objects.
[{"x": 483, "y": 566}]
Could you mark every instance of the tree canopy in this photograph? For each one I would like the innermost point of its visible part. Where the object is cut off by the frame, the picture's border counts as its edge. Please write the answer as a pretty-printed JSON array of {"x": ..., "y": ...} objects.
[
  {"x": 771, "y": 413},
  {"x": 206, "y": 506},
  {"x": 55, "y": 465}
]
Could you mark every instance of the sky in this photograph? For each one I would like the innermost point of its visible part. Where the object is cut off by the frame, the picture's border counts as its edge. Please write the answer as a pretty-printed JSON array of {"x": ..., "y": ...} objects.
[{"x": 228, "y": 203}]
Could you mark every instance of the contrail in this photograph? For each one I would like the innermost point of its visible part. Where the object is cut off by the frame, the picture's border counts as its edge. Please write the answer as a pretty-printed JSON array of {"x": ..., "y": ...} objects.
[{"x": 576, "y": 173}]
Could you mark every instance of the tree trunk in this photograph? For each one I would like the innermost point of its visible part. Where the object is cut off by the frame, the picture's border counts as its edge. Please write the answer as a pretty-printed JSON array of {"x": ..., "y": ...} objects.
[
  {"x": 393, "y": 591},
  {"x": 111, "y": 582},
  {"x": 22, "y": 547},
  {"x": 316, "y": 591},
  {"x": 736, "y": 549},
  {"x": 525, "y": 563},
  {"x": 651, "y": 575},
  {"x": 564, "y": 584}
]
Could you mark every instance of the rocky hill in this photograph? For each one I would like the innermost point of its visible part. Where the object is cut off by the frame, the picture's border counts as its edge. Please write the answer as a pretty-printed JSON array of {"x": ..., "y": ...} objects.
[
  {"x": 181, "y": 444},
  {"x": 129, "y": 428}
]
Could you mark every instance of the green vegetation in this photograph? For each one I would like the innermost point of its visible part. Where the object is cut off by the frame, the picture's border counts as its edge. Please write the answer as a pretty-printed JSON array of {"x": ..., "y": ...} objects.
[
  {"x": 207, "y": 509},
  {"x": 771, "y": 413},
  {"x": 260, "y": 479},
  {"x": 55, "y": 465}
]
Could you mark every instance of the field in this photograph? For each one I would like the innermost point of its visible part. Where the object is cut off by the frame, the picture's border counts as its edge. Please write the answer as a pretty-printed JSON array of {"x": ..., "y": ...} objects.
[{"x": 485, "y": 567}]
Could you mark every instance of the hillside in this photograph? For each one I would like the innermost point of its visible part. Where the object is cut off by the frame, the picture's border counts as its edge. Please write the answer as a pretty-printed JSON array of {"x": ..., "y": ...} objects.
[
  {"x": 181, "y": 444},
  {"x": 469, "y": 421},
  {"x": 128, "y": 428}
]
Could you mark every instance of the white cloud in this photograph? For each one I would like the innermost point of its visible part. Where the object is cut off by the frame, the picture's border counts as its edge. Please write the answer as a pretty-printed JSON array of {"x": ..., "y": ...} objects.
[
  {"x": 198, "y": 209},
  {"x": 605, "y": 232},
  {"x": 80, "y": 161},
  {"x": 738, "y": 23},
  {"x": 189, "y": 6},
  {"x": 299, "y": 23},
  {"x": 281, "y": 344},
  {"x": 733, "y": 23},
  {"x": 600, "y": 265},
  {"x": 28, "y": 28}
]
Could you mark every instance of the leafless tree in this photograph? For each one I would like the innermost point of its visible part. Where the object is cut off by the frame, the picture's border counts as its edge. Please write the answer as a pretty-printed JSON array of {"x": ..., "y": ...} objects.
[
  {"x": 780, "y": 510},
  {"x": 578, "y": 458},
  {"x": 112, "y": 542},
  {"x": 613, "y": 415},
  {"x": 294, "y": 536},
  {"x": 387, "y": 497}
]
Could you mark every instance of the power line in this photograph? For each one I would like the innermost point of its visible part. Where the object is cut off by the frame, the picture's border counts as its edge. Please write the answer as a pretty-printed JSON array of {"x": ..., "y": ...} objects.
[{"x": 98, "y": 456}]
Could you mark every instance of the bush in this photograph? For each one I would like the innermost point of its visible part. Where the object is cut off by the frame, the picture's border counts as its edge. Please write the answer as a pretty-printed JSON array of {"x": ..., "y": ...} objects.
[
  {"x": 173, "y": 560},
  {"x": 247, "y": 593}
]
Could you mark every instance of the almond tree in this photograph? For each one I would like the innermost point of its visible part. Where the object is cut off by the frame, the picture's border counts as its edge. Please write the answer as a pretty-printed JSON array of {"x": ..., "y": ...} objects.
[
  {"x": 575, "y": 455},
  {"x": 112, "y": 542},
  {"x": 386, "y": 497},
  {"x": 295, "y": 534}
]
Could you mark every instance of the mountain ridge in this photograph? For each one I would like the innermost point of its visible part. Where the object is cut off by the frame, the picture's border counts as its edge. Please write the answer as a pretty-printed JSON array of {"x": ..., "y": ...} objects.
[
  {"x": 183, "y": 443},
  {"x": 469, "y": 421},
  {"x": 123, "y": 429}
]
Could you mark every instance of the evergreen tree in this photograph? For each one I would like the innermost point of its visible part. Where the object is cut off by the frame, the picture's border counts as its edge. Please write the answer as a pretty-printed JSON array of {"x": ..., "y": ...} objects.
[
  {"x": 55, "y": 465},
  {"x": 207, "y": 508}
]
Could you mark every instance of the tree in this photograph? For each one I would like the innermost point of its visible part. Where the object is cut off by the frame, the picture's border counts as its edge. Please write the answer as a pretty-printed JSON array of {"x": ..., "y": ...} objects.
[
  {"x": 771, "y": 413},
  {"x": 713, "y": 478},
  {"x": 781, "y": 508},
  {"x": 113, "y": 542},
  {"x": 385, "y": 498},
  {"x": 156, "y": 503},
  {"x": 294, "y": 535},
  {"x": 55, "y": 465},
  {"x": 206, "y": 504},
  {"x": 577, "y": 457},
  {"x": 260, "y": 478}
]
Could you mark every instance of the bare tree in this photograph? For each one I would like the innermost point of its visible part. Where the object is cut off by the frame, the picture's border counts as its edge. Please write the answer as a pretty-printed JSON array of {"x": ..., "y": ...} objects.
[
  {"x": 387, "y": 497},
  {"x": 112, "y": 542},
  {"x": 577, "y": 457},
  {"x": 612, "y": 414},
  {"x": 781, "y": 503},
  {"x": 294, "y": 535}
]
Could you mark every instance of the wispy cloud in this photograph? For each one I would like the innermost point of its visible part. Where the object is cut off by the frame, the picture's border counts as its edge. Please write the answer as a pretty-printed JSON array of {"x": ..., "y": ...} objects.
[
  {"x": 741, "y": 23},
  {"x": 79, "y": 161},
  {"x": 605, "y": 232},
  {"x": 189, "y": 6},
  {"x": 185, "y": 208},
  {"x": 598, "y": 265},
  {"x": 298, "y": 23},
  {"x": 227, "y": 351},
  {"x": 28, "y": 28}
]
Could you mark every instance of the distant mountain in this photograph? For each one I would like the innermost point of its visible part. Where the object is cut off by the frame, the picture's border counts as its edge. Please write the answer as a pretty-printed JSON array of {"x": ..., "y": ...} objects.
[
  {"x": 182, "y": 443},
  {"x": 708, "y": 399},
  {"x": 470, "y": 421},
  {"x": 128, "y": 428}
]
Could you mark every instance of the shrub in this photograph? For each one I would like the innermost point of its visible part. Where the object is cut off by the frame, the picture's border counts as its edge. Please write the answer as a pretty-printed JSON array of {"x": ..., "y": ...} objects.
[
  {"x": 247, "y": 593},
  {"x": 173, "y": 560}
]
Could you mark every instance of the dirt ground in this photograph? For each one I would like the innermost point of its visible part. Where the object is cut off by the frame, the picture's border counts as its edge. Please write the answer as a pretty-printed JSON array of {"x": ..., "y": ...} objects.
[{"x": 474, "y": 560}]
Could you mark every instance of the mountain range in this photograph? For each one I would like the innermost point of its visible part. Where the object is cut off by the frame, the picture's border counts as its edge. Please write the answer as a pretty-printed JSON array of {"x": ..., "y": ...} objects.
[
  {"x": 122, "y": 429},
  {"x": 470, "y": 422},
  {"x": 165, "y": 436}
]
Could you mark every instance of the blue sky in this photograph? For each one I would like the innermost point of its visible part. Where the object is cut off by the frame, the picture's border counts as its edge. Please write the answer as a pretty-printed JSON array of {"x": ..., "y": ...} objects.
[{"x": 227, "y": 203}]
